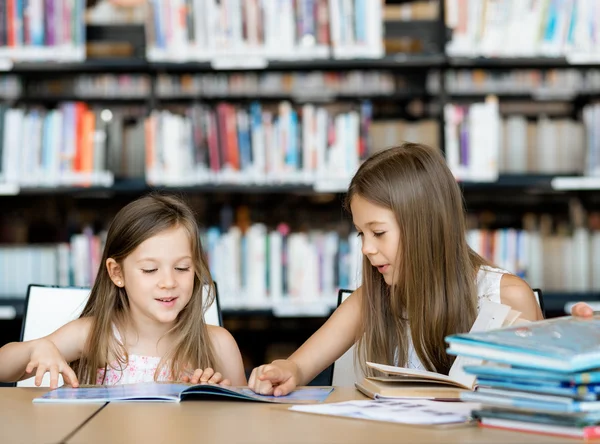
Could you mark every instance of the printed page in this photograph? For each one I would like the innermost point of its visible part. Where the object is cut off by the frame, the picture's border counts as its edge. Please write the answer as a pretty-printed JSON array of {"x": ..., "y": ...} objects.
[
  {"x": 411, "y": 372},
  {"x": 114, "y": 393},
  {"x": 404, "y": 411}
]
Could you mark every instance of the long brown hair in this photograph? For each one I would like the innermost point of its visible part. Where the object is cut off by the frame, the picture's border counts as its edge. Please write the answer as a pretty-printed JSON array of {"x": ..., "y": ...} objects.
[
  {"x": 435, "y": 292},
  {"x": 108, "y": 305}
]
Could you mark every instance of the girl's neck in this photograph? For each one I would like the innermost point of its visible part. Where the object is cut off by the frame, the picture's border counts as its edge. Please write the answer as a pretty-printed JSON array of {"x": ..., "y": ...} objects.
[{"x": 147, "y": 338}]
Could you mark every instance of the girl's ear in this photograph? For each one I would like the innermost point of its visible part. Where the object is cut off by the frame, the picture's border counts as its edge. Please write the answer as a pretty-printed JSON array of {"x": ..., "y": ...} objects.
[{"x": 115, "y": 272}]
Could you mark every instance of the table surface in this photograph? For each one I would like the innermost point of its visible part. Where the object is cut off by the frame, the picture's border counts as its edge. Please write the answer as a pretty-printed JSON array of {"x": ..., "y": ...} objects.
[
  {"x": 22, "y": 421},
  {"x": 232, "y": 422}
]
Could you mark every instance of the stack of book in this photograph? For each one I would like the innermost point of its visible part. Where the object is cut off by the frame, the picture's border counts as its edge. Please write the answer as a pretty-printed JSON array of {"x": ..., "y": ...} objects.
[{"x": 541, "y": 377}]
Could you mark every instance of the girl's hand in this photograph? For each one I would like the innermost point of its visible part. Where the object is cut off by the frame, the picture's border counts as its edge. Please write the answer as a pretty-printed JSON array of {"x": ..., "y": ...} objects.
[
  {"x": 45, "y": 357},
  {"x": 583, "y": 310},
  {"x": 278, "y": 378},
  {"x": 206, "y": 376}
]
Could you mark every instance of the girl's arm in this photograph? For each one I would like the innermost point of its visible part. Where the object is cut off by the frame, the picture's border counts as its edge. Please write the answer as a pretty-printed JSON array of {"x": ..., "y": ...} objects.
[
  {"x": 323, "y": 348},
  {"x": 515, "y": 293},
  {"x": 228, "y": 355},
  {"x": 18, "y": 360}
]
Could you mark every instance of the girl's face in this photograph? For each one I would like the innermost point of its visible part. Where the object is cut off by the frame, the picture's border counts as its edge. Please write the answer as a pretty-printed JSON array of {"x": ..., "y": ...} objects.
[
  {"x": 159, "y": 276},
  {"x": 380, "y": 236}
]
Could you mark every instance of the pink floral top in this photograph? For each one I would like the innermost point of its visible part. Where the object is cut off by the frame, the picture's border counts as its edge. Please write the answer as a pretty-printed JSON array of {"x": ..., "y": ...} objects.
[{"x": 138, "y": 369}]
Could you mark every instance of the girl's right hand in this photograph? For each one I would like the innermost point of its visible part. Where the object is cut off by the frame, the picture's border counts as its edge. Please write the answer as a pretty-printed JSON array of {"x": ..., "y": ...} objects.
[
  {"x": 582, "y": 309},
  {"x": 278, "y": 378},
  {"x": 45, "y": 357}
]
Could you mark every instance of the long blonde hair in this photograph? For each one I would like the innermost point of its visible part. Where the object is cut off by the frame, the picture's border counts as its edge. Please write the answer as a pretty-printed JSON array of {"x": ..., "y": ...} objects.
[
  {"x": 108, "y": 305},
  {"x": 435, "y": 291}
]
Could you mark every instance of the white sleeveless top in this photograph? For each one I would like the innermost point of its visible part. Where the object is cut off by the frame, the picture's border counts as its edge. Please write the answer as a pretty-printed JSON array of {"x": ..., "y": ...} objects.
[{"x": 488, "y": 288}]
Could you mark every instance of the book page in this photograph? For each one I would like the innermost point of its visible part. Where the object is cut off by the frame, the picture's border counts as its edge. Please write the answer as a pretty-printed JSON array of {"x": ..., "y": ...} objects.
[
  {"x": 404, "y": 411},
  {"x": 491, "y": 316},
  {"x": 411, "y": 372}
]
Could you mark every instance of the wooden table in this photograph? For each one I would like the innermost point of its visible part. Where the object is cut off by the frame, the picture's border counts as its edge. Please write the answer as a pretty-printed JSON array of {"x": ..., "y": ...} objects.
[
  {"x": 22, "y": 421},
  {"x": 236, "y": 422}
]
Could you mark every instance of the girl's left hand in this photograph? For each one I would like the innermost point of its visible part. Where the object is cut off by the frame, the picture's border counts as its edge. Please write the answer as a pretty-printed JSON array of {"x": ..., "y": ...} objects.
[{"x": 206, "y": 376}]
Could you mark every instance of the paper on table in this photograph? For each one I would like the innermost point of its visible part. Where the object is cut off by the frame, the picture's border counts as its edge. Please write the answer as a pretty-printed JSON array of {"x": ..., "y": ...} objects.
[{"x": 402, "y": 411}]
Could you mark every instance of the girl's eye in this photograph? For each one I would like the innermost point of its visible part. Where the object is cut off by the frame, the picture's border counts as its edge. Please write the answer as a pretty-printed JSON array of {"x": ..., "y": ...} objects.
[
  {"x": 359, "y": 234},
  {"x": 149, "y": 271},
  {"x": 182, "y": 269},
  {"x": 379, "y": 234}
]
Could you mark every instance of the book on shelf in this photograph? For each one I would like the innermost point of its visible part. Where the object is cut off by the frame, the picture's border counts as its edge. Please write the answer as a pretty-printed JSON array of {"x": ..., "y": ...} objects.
[
  {"x": 264, "y": 266},
  {"x": 42, "y": 30},
  {"x": 472, "y": 135},
  {"x": 176, "y": 392},
  {"x": 259, "y": 31},
  {"x": 542, "y": 28}
]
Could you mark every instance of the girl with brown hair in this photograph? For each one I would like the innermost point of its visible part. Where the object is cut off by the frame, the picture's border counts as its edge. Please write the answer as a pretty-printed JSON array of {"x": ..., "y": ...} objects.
[
  {"x": 421, "y": 281},
  {"x": 144, "y": 320}
]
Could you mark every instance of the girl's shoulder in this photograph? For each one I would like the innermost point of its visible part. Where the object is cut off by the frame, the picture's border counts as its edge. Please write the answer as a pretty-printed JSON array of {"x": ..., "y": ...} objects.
[{"x": 219, "y": 337}]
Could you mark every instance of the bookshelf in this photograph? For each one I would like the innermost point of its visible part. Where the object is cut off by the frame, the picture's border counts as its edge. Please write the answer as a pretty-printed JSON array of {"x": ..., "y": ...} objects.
[{"x": 419, "y": 91}]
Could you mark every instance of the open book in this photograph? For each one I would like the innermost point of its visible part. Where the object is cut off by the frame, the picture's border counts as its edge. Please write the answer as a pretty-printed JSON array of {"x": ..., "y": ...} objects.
[
  {"x": 176, "y": 392},
  {"x": 399, "y": 382}
]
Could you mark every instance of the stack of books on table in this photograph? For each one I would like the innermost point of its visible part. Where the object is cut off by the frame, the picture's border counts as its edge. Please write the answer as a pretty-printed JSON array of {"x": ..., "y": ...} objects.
[{"x": 542, "y": 377}]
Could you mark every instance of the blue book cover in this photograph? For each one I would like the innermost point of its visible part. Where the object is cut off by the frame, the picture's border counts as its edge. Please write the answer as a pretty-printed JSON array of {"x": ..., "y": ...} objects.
[
  {"x": 529, "y": 401},
  {"x": 581, "y": 392},
  {"x": 528, "y": 374},
  {"x": 565, "y": 344},
  {"x": 176, "y": 392},
  {"x": 567, "y": 420}
]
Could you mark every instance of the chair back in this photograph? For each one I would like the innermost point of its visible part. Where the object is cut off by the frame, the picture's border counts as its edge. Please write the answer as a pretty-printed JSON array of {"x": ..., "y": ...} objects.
[{"x": 345, "y": 373}]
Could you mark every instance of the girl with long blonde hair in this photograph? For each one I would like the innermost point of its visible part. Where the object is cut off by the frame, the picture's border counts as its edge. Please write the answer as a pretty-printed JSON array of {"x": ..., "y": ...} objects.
[
  {"x": 421, "y": 281},
  {"x": 144, "y": 319}
]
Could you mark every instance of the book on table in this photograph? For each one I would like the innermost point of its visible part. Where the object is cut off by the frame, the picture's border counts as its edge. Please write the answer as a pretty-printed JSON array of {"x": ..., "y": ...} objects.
[
  {"x": 176, "y": 392},
  {"x": 400, "y": 382}
]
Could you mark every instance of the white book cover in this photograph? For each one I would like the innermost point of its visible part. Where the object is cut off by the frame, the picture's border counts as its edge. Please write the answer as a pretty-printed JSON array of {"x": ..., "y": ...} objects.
[
  {"x": 581, "y": 260},
  {"x": 12, "y": 144},
  {"x": 234, "y": 265},
  {"x": 25, "y": 167},
  {"x": 494, "y": 28},
  {"x": 256, "y": 262},
  {"x": 374, "y": 29},
  {"x": 355, "y": 261},
  {"x": 329, "y": 283},
  {"x": 321, "y": 144},
  {"x": 547, "y": 150},
  {"x": 517, "y": 21},
  {"x": 452, "y": 120},
  {"x": 516, "y": 145},
  {"x": 484, "y": 141},
  {"x": 201, "y": 15},
  {"x": 308, "y": 138},
  {"x": 56, "y": 145},
  {"x": 275, "y": 266},
  {"x": 352, "y": 150}
]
